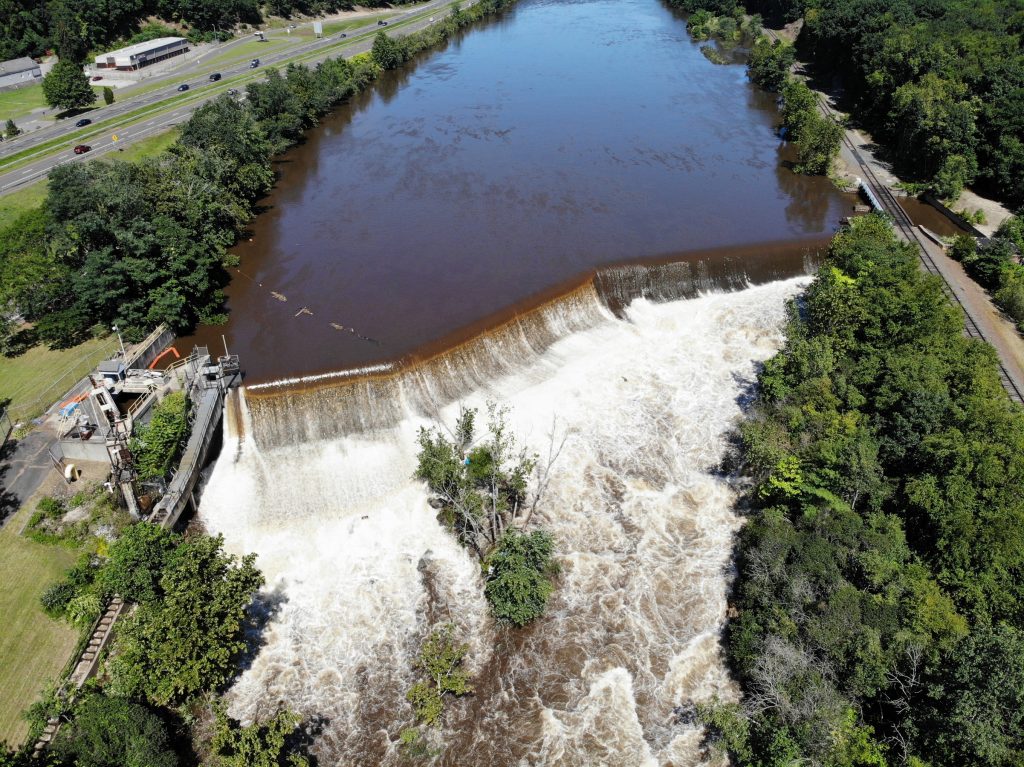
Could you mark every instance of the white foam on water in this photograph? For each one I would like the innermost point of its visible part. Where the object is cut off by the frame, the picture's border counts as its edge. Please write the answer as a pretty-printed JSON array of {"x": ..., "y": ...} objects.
[{"x": 354, "y": 555}]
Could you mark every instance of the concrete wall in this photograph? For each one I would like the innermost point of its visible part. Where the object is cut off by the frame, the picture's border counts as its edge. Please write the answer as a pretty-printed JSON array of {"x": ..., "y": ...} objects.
[
  {"x": 960, "y": 221},
  {"x": 94, "y": 449},
  {"x": 157, "y": 341}
]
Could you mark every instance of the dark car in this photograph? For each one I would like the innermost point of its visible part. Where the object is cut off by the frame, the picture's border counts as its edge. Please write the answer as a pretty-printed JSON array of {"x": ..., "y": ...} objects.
[
  {"x": 97, "y": 77},
  {"x": 342, "y": 35},
  {"x": 382, "y": 23},
  {"x": 83, "y": 122},
  {"x": 232, "y": 92},
  {"x": 214, "y": 77},
  {"x": 82, "y": 148},
  {"x": 254, "y": 63},
  {"x": 183, "y": 87}
]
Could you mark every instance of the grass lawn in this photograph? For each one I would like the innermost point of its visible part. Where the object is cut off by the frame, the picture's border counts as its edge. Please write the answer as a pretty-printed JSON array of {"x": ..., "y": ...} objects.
[
  {"x": 148, "y": 147},
  {"x": 251, "y": 49},
  {"x": 19, "y": 102},
  {"x": 14, "y": 204},
  {"x": 33, "y": 647},
  {"x": 36, "y": 378}
]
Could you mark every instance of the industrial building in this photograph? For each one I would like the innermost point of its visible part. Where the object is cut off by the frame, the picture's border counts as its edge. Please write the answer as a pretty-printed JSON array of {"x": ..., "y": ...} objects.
[
  {"x": 18, "y": 72},
  {"x": 142, "y": 54}
]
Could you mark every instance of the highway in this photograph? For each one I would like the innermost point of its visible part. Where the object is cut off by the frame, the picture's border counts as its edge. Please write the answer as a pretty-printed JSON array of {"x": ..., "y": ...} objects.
[{"x": 120, "y": 119}]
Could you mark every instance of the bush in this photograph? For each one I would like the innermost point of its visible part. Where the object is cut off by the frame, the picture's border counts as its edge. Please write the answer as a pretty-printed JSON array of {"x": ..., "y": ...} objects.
[
  {"x": 519, "y": 576},
  {"x": 156, "y": 445},
  {"x": 441, "y": 660},
  {"x": 55, "y": 599},
  {"x": 114, "y": 732}
]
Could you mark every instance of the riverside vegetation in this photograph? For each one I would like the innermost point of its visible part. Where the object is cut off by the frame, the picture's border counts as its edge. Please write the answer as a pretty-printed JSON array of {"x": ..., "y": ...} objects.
[
  {"x": 939, "y": 82},
  {"x": 996, "y": 267},
  {"x": 136, "y": 244},
  {"x": 817, "y": 138},
  {"x": 155, "y": 701},
  {"x": 881, "y": 572}
]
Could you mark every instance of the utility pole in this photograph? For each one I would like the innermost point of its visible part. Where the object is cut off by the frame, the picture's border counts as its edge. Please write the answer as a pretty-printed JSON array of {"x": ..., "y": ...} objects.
[{"x": 120, "y": 341}]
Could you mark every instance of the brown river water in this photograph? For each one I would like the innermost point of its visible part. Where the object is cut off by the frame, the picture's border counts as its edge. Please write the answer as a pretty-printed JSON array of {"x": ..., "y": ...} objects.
[
  {"x": 568, "y": 211},
  {"x": 538, "y": 147}
]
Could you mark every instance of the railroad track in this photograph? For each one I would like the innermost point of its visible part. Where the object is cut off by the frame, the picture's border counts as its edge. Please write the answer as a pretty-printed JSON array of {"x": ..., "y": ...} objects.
[{"x": 906, "y": 227}]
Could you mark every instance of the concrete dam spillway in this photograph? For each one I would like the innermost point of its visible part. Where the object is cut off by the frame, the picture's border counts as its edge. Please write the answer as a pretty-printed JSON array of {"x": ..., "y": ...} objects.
[{"x": 358, "y": 567}]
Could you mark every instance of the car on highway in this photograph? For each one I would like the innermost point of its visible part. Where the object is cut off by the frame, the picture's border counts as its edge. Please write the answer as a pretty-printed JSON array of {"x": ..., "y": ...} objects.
[
  {"x": 214, "y": 77},
  {"x": 342, "y": 36},
  {"x": 83, "y": 122},
  {"x": 82, "y": 148},
  {"x": 254, "y": 63},
  {"x": 97, "y": 77},
  {"x": 183, "y": 87},
  {"x": 382, "y": 23},
  {"x": 232, "y": 91}
]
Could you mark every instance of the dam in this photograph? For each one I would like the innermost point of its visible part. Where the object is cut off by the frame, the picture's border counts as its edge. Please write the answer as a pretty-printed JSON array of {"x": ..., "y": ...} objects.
[{"x": 569, "y": 212}]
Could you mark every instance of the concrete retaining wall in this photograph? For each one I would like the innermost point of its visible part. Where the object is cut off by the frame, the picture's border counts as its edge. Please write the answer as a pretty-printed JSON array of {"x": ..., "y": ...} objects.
[{"x": 957, "y": 219}]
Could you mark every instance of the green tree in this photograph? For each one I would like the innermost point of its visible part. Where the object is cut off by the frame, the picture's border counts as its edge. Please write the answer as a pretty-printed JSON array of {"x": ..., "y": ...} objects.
[
  {"x": 770, "y": 63},
  {"x": 11, "y": 130},
  {"x": 114, "y": 732},
  {"x": 386, "y": 52},
  {"x": 480, "y": 486},
  {"x": 980, "y": 693},
  {"x": 66, "y": 86},
  {"x": 189, "y": 641},
  {"x": 440, "y": 660},
  {"x": 819, "y": 143},
  {"x": 135, "y": 563},
  {"x": 108, "y": 95},
  {"x": 273, "y": 743},
  {"x": 519, "y": 576}
]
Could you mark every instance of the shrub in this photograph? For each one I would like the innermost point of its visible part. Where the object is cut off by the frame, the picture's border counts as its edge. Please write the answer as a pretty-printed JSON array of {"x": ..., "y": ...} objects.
[
  {"x": 440, "y": 659},
  {"x": 519, "y": 576},
  {"x": 114, "y": 732}
]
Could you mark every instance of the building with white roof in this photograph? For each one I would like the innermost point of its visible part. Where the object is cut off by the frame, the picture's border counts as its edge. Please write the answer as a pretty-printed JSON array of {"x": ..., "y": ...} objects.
[{"x": 142, "y": 54}]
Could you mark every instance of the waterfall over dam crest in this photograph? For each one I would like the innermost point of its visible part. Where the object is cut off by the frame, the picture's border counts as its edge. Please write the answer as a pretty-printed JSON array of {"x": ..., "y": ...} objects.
[{"x": 334, "y": 404}]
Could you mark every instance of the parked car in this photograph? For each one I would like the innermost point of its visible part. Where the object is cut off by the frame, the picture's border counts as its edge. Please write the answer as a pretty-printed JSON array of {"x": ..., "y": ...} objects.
[
  {"x": 382, "y": 23},
  {"x": 214, "y": 77},
  {"x": 97, "y": 77},
  {"x": 83, "y": 122},
  {"x": 254, "y": 63},
  {"x": 82, "y": 148},
  {"x": 183, "y": 87}
]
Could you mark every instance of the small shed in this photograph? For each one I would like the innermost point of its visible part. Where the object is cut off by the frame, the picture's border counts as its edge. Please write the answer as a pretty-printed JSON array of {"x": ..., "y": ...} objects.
[{"x": 111, "y": 370}]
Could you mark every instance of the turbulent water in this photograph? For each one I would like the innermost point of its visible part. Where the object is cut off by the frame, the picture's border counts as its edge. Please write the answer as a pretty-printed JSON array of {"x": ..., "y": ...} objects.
[{"x": 358, "y": 568}]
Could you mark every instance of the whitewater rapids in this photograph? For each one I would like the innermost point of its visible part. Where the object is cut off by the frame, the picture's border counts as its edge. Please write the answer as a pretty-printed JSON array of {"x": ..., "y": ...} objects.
[{"x": 358, "y": 568}]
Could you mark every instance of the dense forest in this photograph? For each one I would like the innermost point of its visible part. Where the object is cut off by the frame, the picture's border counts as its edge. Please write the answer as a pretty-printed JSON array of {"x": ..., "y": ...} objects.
[
  {"x": 31, "y": 27},
  {"x": 941, "y": 82},
  {"x": 879, "y": 606},
  {"x": 137, "y": 244}
]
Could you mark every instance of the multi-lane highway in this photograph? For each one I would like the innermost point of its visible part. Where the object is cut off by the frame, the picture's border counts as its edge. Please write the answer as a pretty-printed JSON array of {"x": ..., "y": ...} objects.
[{"x": 169, "y": 107}]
